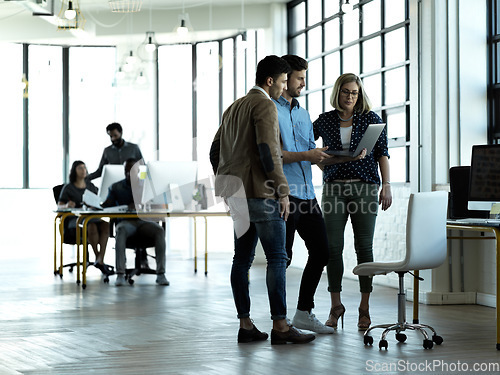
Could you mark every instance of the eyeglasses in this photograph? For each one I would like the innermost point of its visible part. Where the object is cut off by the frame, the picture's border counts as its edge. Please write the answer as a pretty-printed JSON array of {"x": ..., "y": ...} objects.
[{"x": 349, "y": 93}]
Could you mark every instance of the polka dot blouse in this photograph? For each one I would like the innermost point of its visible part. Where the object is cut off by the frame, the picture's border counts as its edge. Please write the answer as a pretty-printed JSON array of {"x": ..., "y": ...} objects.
[{"x": 327, "y": 126}]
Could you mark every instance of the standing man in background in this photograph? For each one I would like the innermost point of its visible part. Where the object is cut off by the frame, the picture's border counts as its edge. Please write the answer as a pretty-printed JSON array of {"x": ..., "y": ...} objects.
[
  {"x": 299, "y": 152},
  {"x": 246, "y": 158},
  {"x": 119, "y": 151}
]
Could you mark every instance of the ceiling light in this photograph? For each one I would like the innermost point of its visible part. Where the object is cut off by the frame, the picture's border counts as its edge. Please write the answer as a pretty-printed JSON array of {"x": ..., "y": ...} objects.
[
  {"x": 244, "y": 42},
  {"x": 70, "y": 16},
  {"x": 141, "y": 79},
  {"x": 120, "y": 74},
  {"x": 150, "y": 45},
  {"x": 185, "y": 25},
  {"x": 125, "y": 6},
  {"x": 182, "y": 29},
  {"x": 346, "y": 7},
  {"x": 70, "y": 13},
  {"x": 131, "y": 59}
]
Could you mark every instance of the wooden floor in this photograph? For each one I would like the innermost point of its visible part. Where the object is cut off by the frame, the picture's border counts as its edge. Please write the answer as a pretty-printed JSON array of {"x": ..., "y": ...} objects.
[{"x": 51, "y": 326}]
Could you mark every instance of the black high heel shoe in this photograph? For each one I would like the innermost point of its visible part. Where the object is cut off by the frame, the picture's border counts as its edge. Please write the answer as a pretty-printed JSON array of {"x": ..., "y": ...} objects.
[
  {"x": 105, "y": 269},
  {"x": 336, "y": 313},
  {"x": 364, "y": 325}
]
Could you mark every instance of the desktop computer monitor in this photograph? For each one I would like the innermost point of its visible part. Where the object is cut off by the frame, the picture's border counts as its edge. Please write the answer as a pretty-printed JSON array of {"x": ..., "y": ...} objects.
[
  {"x": 111, "y": 173},
  {"x": 170, "y": 182},
  {"x": 484, "y": 182}
]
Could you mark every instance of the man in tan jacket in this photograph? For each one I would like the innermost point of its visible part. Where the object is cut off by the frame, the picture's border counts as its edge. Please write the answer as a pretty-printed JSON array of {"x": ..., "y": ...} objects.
[{"x": 247, "y": 160}]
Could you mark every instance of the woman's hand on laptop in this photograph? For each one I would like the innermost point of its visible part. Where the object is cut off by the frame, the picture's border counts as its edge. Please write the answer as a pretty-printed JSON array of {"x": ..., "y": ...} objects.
[{"x": 361, "y": 155}]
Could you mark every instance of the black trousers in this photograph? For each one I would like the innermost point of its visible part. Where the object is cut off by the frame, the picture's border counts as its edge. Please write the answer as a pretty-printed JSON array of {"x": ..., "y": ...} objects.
[{"x": 307, "y": 219}]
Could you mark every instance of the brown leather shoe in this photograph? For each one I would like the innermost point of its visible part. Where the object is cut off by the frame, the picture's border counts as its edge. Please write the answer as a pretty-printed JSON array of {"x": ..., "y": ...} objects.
[
  {"x": 249, "y": 335},
  {"x": 293, "y": 335}
]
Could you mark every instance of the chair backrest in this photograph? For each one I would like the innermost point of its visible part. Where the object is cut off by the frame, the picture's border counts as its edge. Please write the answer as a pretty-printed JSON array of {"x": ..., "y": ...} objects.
[
  {"x": 426, "y": 230},
  {"x": 57, "y": 191}
]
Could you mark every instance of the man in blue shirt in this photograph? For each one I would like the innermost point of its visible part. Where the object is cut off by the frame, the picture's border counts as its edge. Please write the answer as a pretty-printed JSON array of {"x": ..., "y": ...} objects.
[{"x": 299, "y": 152}]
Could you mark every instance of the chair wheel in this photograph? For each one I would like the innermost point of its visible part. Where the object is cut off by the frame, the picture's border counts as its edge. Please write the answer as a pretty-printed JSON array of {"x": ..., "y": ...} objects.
[
  {"x": 383, "y": 344},
  {"x": 368, "y": 340},
  {"x": 71, "y": 269},
  {"x": 131, "y": 281},
  {"x": 401, "y": 337},
  {"x": 428, "y": 344},
  {"x": 106, "y": 280},
  {"x": 437, "y": 339}
]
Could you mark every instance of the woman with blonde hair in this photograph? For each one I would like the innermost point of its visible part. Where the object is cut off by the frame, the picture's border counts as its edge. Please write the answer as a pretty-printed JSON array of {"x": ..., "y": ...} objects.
[{"x": 351, "y": 189}]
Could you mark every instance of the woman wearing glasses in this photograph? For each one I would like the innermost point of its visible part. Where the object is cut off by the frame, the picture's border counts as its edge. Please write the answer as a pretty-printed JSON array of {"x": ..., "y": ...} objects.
[{"x": 351, "y": 189}]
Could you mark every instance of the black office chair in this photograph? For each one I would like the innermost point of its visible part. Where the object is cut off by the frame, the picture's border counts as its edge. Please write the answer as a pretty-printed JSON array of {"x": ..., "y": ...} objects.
[
  {"x": 459, "y": 194},
  {"x": 139, "y": 243},
  {"x": 69, "y": 238}
]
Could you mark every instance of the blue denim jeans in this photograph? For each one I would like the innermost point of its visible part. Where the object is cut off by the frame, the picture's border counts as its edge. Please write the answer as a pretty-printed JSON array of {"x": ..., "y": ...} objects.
[{"x": 265, "y": 224}]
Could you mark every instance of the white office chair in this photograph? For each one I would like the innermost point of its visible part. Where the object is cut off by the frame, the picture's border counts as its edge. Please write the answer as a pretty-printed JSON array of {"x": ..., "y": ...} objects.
[{"x": 425, "y": 249}]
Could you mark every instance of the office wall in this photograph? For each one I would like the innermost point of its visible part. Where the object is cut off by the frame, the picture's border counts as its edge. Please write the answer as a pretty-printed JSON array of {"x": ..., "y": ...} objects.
[{"x": 454, "y": 118}]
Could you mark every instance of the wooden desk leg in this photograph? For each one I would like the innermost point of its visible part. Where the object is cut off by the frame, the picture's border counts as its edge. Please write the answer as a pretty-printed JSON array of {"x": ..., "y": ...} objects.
[
  {"x": 56, "y": 270},
  {"x": 78, "y": 243},
  {"x": 61, "y": 231},
  {"x": 195, "y": 248},
  {"x": 415, "y": 296},
  {"x": 206, "y": 246},
  {"x": 84, "y": 256}
]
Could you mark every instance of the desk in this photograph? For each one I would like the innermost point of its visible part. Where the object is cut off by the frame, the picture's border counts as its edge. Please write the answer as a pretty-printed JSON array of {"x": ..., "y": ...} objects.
[
  {"x": 495, "y": 229},
  {"x": 85, "y": 216}
]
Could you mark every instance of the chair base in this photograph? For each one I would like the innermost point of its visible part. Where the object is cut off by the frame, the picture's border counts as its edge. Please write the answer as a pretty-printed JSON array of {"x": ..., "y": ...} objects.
[
  {"x": 402, "y": 325},
  {"x": 141, "y": 266},
  {"x": 73, "y": 265},
  {"x": 428, "y": 343}
]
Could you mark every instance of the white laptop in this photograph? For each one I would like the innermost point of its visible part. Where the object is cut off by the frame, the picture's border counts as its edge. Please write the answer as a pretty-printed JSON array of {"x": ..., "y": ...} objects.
[{"x": 368, "y": 141}]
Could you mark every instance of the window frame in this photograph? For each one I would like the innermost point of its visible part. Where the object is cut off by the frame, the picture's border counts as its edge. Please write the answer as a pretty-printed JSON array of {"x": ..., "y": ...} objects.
[
  {"x": 493, "y": 90},
  {"x": 295, "y": 33}
]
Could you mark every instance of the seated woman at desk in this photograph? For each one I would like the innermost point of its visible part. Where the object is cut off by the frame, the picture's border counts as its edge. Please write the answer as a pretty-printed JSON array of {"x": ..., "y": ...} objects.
[{"x": 72, "y": 197}]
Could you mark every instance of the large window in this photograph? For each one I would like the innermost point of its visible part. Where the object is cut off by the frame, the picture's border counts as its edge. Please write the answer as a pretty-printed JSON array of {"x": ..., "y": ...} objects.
[
  {"x": 92, "y": 103},
  {"x": 11, "y": 115},
  {"x": 209, "y": 63},
  {"x": 194, "y": 90},
  {"x": 45, "y": 116},
  {"x": 73, "y": 93},
  {"x": 175, "y": 102},
  {"x": 43, "y": 137},
  {"x": 494, "y": 71},
  {"x": 370, "y": 41}
]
